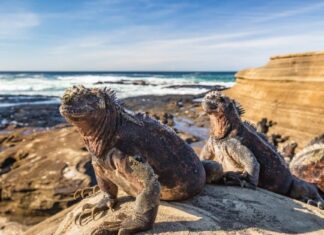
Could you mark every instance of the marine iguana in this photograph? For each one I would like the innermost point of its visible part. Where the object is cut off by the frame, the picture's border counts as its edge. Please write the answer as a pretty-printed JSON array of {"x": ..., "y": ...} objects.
[
  {"x": 308, "y": 164},
  {"x": 245, "y": 155},
  {"x": 134, "y": 152}
]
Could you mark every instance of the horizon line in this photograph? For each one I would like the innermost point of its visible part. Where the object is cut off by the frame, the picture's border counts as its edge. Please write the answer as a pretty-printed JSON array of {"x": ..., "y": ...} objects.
[{"x": 119, "y": 71}]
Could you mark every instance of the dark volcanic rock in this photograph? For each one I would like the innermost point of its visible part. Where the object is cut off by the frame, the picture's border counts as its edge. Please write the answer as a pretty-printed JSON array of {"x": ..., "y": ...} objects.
[
  {"x": 126, "y": 82},
  {"x": 197, "y": 86},
  {"x": 40, "y": 115}
]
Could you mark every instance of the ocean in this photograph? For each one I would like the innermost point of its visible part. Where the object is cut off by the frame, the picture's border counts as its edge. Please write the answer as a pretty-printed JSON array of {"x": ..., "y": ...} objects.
[{"x": 46, "y": 87}]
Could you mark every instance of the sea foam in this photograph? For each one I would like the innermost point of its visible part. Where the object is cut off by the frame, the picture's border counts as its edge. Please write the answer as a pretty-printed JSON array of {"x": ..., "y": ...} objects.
[{"x": 54, "y": 84}]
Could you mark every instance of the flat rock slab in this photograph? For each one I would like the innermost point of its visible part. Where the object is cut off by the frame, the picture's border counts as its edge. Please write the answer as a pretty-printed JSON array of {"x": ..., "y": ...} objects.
[{"x": 217, "y": 210}]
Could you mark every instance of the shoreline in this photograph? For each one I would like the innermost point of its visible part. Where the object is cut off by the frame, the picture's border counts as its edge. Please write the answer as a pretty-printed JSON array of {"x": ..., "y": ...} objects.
[{"x": 37, "y": 111}]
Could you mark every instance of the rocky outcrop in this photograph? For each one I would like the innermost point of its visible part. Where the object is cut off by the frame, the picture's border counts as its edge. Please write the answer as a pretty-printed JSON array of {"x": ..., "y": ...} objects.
[
  {"x": 308, "y": 165},
  {"x": 217, "y": 210},
  {"x": 288, "y": 90},
  {"x": 40, "y": 172},
  {"x": 10, "y": 228}
]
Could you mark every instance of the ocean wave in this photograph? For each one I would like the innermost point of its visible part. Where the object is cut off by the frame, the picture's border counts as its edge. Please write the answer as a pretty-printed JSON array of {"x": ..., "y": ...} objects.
[{"x": 49, "y": 84}]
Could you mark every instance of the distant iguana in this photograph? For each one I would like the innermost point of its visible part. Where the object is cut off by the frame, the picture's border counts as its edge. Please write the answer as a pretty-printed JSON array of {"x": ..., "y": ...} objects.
[
  {"x": 134, "y": 152},
  {"x": 245, "y": 155}
]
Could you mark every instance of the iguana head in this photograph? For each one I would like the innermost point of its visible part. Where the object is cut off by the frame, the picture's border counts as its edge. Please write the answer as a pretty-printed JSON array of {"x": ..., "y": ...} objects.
[
  {"x": 216, "y": 103},
  {"x": 224, "y": 112},
  {"x": 94, "y": 112},
  {"x": 80, "y": 103}
]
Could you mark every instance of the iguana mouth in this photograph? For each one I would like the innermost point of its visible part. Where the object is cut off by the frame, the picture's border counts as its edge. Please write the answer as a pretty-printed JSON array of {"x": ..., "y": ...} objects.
[
  {"x": 68, "y": 110},
  {"x": 213, "y": 102},
  {"x": 210, "y": 105}
]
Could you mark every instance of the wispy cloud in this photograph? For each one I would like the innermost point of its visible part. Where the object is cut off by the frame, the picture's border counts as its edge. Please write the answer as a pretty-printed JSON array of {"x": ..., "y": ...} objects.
[
  {"x": 158, "y": 34},
  {"x": 297, "y": 11},
  {"x": 16, "y": 23}
]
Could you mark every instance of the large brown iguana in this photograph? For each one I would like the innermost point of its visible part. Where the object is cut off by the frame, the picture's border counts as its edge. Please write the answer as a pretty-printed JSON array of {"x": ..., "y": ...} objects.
[
  {"x": 245, "y": 155},
  {"x": 134, "y": 152}
]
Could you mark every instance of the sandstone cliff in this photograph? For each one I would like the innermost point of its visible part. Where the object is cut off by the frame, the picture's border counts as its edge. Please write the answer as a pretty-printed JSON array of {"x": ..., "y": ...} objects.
[
  {"x": 217, "y": 210},
  {"x": 289, "y": 90}
]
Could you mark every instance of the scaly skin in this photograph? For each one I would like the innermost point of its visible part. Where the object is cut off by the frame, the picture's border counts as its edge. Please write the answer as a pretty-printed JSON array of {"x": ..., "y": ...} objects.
[
  {"x": 308, "y": 164},
  {"x": 245, "y": 155},
  {"x": 134, "y": 152}
]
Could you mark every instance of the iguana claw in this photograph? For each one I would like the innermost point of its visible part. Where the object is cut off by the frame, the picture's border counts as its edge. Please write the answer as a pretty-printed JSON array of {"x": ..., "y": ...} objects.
[
  {"x": 91, "y": 210},
  {"x": 86, "y": 192},
  {"x": 316, "y": 203}
]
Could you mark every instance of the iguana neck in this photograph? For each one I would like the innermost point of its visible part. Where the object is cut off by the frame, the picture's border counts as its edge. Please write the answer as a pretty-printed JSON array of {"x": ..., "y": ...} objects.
[
  {"x": 224, "y": 125},
  {"x": 101, "y": 135}
]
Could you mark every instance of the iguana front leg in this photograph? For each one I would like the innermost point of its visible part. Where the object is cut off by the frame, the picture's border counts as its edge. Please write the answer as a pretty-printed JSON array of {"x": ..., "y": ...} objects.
[
  {"x": 144, "y": 183},
  {"x": 206, "y": 152},
  {"x": 242, "y": 157},
  {"x": 213, "y": 169},
  {"x": 107, "y": 202}
]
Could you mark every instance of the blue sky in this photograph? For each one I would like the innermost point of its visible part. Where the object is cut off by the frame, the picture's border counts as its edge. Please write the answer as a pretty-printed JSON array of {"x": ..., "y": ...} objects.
[{"x": 154, "y": 34}]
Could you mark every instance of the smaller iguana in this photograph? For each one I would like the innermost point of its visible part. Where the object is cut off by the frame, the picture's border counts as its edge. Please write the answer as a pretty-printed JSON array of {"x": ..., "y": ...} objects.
[{"x": 245, "y": 155}]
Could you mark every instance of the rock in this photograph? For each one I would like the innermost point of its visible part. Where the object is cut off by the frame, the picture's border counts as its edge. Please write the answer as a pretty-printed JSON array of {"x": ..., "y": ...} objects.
[
  {"x": 198, "y": 86},
  {"x": 276, "y": 139},
  {"x": 126, "y": 82},
  {"x": 263, "y": 125},
  {"x": 164, "y": 118},
  {"x": 140, "y": 82},
  {"x": 217, "y": 210},
  {"x": 308, "y": 165},
  {"x": 10, "y": 228},
  {"x": 189, "y": 138},
  {"x": 288, "y": 151},
  {"x": 41, "y": 173},
  {"x": 317, "y": 140},
  {"x": 36, "y": 115},
  {"x": 289, "y": 90}
]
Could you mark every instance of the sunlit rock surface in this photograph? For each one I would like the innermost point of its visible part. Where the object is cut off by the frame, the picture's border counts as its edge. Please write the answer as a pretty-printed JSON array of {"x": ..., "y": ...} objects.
[
  {"x": 217, "y": 210},
  {"x": 289, "y": 90}
]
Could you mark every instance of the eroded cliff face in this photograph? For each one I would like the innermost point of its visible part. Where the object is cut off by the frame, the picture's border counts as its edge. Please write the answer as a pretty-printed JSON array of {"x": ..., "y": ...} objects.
[{"x": 289, "y": 90}]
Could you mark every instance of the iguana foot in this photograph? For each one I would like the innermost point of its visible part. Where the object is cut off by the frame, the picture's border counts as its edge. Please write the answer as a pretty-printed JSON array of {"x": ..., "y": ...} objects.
[
  {"x": 130, "y": 225},
  {"x": 237, "y": 179},
  {"x": 89, "y": 209},
  {"x": 306, "y": 192},
  {"x": 86, "y": 192},
  {"x": 319, "y": 203}
]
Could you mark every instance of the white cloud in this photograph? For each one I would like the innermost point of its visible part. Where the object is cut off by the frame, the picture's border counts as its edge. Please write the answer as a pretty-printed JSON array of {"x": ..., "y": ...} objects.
[
  {"x": 12, "y": 24},
  {"x": 211, "y": 52}
]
